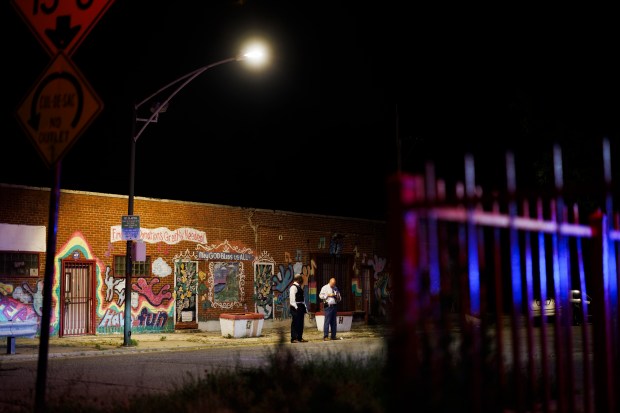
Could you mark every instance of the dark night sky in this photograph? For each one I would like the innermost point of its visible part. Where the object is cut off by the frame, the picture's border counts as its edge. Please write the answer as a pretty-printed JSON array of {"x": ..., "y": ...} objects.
[{"x": 316, "y": 131}]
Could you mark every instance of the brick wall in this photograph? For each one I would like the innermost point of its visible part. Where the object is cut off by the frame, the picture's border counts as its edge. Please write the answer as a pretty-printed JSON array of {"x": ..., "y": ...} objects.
[{"x": 288, "y": 239}]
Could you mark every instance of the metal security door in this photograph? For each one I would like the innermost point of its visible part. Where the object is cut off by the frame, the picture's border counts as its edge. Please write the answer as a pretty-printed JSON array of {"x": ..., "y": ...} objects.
[
  {"x": 338, "y": 267},
  {"x": 77, "y": 296}
]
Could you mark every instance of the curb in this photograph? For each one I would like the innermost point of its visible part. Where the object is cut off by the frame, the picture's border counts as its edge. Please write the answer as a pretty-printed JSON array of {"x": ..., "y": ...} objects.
[{"x": 108, "y": 345}]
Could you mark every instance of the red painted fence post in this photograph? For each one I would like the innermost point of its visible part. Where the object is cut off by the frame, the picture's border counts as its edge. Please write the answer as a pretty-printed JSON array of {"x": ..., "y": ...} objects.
[
  {"x": 404, "y": 349},
  {"x": 604, "y": 397}
]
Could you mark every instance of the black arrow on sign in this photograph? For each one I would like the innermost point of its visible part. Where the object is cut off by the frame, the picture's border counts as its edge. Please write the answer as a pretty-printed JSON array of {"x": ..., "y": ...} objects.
[
  {"x": 63, "y": 34},
  {"x": 35, "y": 117}
]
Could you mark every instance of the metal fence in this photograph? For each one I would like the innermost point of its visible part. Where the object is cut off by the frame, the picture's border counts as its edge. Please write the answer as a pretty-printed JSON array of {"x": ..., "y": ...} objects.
[{"x": 506, "y": 302}]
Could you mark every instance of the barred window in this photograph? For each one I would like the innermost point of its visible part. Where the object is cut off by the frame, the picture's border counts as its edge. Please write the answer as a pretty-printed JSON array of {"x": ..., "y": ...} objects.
[
  {"x": 140, "y": 268},
  {"x": 19, "y": 264}
]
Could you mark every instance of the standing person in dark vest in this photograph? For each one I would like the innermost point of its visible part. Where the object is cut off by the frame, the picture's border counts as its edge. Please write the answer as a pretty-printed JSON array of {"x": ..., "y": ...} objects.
[
  {"x": 331, "y": 297},
  {"x": 298, "y": 309}
]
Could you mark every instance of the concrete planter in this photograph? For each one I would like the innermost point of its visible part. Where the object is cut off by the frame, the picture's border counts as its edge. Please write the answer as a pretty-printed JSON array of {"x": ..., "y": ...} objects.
[
  {"x": 238, "y": 325},
  {"x": 343, "y": 320}
]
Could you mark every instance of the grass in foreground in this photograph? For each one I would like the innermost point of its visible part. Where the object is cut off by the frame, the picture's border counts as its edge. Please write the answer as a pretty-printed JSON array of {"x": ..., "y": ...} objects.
[{"x": 284, "y": 385}]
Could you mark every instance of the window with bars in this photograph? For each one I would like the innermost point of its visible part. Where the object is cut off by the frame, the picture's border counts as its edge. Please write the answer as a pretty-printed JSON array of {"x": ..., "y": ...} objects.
[
  {"x": 140, "y": 268},
  {"x": 19, "y": 264}
]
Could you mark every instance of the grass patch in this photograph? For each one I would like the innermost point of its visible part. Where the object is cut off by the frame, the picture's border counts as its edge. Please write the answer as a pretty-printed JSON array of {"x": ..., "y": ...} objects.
[{"x": 132, "y": 343}]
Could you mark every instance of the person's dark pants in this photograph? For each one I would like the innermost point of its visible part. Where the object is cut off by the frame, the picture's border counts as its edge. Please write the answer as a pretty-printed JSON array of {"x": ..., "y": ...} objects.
[
  {"x": 330, "y": 321},
  {"x": 297, "y": 324}
]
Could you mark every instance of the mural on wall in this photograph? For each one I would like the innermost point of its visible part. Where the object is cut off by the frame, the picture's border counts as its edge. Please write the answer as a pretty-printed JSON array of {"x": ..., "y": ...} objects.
[
  {"x": 202, "y": 290},
  {"x": 357, "y": 292},
  {"x": 356, "y": 269},
  {"x": 263, "y": 295},
  {"x": 225, "y": 268},
  {"x": 160, "y": 268},
  {"x": 21, "y": 303},
  {"x": 283, "y": 280},
  {"x": 186, "y": 291},
  {"x": 151, "y": 304},
  {"x": 76, "y": 247},
  {"x": 336, "y": 244},
  {"x": 151, "y": 301},
  {"x": 307, "y": 271},
  {"x": 356, "y": 282},
  {"x": 27, "y": 295},
  {"x": 147, "y": 290},
  {"x": 226, "y": 282},
  {"x": 162, "y": 235},
  {"x": 114, "y": 287},
  {"x": 382, "y": 286}
]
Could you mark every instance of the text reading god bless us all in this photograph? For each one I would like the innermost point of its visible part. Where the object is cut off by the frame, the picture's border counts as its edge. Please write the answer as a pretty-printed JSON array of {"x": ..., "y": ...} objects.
[{"x": 227, "y": 256}]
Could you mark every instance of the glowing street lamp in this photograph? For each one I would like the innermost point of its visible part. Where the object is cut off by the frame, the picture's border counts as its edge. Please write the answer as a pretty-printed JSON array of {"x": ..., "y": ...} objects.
[{"x": 256, "y": 54}]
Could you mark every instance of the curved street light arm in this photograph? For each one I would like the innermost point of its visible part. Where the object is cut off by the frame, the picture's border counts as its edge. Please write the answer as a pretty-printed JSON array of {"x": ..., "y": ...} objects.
[
  {"x": 185, "y": 79},
  {"x": 188, "y": 78},
  {"x": 169, "y": 85}
]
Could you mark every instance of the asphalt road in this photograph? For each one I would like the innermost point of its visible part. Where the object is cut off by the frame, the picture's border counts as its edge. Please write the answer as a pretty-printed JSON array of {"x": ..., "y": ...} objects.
[
  {"x": 97, "y": 370},
  {"x": 111, "y": 377}
]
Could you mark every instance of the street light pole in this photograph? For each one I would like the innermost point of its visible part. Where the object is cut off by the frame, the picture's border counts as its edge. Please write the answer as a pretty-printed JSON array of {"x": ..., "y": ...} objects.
[
  {"x": 128, "y": 252},
  {"x": 135, "y": 134}
]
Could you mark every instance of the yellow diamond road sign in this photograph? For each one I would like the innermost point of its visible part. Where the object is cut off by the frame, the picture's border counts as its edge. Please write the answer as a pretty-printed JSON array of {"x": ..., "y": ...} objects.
[{"x": 58, "y": 109}]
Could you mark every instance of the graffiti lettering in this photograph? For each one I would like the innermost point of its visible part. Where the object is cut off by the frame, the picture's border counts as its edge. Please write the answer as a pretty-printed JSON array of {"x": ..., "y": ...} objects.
[
  {"x": 11, "y": 309},
  {"x": 162, "y": 234},
  {"x": 112, "y": 318},
  {"x": 146, "y": 319}
]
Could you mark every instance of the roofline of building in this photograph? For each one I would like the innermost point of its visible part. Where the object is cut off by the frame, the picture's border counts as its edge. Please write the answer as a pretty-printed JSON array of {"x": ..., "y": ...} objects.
[{"x": 276, "y": 211}]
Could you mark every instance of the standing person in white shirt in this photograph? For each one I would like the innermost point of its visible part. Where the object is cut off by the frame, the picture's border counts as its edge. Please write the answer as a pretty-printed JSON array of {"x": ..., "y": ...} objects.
[
  {"x": 331, "y": 297},
  {"x": 298, "y": 309}
]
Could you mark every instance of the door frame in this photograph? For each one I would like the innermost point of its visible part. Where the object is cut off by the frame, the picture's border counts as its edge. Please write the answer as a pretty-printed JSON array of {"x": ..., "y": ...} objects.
[
  {"x": 92, "y": 291},
  {"x": 343, "y": 281}
]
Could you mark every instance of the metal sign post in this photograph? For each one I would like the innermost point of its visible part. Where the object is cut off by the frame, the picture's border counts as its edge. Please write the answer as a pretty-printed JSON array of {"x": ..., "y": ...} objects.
[{"x": 54, "y": 114}]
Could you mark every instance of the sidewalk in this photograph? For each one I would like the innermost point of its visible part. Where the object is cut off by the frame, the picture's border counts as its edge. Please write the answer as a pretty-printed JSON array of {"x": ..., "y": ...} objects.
[{"x": 98, "y": 345}]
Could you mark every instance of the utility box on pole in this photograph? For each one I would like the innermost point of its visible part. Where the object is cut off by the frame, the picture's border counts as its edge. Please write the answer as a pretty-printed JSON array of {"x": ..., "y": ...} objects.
[{"x": 138, "y": 251}]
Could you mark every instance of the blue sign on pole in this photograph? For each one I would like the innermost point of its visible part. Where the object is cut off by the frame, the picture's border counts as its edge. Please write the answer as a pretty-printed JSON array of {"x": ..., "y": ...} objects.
[{"x": 130, "y": 227}]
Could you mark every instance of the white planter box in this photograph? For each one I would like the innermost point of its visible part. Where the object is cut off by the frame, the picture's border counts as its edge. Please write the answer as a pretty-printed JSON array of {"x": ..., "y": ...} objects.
[
  {"x": 240, "y": 325},
  {"x": 343, "y": 320}
]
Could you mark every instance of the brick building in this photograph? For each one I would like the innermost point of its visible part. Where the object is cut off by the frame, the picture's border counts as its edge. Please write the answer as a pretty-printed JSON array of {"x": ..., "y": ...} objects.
[{"x": 194, "y": 261}]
